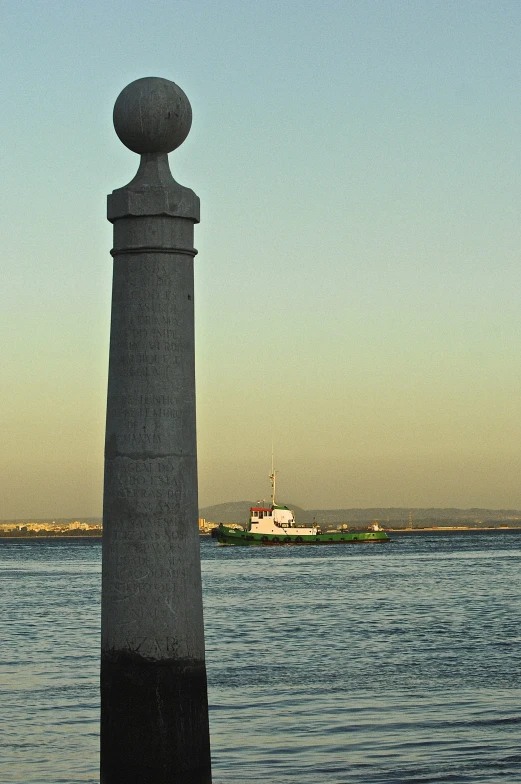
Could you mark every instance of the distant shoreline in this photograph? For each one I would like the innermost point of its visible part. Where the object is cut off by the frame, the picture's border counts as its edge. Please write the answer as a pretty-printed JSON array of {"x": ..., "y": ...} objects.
[
  {"x": 437, "y": 529},
  {"x": 52, "y": 536}
]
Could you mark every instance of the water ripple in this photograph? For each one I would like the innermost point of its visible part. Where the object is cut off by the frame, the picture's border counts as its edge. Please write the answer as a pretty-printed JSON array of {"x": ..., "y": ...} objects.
[{"x": 397, "y": 664}]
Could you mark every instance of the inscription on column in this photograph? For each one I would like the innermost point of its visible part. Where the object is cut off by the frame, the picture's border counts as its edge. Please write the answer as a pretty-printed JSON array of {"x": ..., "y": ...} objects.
[{"x": 154, "y": 301}]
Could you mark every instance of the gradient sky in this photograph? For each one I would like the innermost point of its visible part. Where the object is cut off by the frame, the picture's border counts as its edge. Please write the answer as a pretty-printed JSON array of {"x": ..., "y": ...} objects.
[{"x": 358, "y": 276}]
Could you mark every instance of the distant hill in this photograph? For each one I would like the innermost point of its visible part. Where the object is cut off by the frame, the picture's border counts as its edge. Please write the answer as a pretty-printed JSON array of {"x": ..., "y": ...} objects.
[
  {"x": 238, "y": 512},
  {"x": 397, "y": 514}
]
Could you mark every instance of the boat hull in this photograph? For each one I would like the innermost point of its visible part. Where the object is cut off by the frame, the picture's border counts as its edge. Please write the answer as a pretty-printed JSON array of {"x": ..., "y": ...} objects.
[{"x": 235, "y": 536}]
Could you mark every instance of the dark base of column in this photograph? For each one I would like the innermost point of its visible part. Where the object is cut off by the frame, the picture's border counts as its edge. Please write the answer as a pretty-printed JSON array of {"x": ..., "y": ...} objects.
[{"x": 154, "y": 721}]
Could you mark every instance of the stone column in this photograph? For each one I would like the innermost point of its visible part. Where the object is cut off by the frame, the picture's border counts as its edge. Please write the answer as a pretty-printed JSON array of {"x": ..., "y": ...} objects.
[{"x": 154, "y": 708}]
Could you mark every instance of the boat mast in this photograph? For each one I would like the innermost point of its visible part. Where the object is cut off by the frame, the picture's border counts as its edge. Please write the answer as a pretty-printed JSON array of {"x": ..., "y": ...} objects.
[{"x": 273, "y": 478}]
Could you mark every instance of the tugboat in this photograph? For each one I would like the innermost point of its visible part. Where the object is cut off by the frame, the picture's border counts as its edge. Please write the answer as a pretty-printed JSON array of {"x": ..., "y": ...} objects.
[{"x": 275, "y": 525}]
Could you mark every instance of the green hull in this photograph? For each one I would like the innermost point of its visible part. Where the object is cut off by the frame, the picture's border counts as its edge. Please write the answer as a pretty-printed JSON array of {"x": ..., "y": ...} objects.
[{"x": 235, "y": 536}]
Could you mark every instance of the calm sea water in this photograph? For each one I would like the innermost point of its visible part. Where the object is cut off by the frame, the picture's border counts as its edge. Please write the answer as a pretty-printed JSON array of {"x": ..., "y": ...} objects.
[{"x": 396, "y": 663}]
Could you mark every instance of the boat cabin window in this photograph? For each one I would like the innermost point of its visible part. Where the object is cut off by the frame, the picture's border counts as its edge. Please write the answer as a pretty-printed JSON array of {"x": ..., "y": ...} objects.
[{"x": 260, "y": 513}]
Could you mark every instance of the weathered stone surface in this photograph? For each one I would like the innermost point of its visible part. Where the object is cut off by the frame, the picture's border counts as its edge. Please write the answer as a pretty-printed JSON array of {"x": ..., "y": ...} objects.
[
  {"x": 153, "y": 191},
  {"x": 152, "y": 115},
  {"x": 173, "y": 744},
  {"x": 154, "y": 703}
]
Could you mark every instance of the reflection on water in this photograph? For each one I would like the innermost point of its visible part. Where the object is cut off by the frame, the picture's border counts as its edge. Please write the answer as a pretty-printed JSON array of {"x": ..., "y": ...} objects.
[{"x": 395, "y": 663}]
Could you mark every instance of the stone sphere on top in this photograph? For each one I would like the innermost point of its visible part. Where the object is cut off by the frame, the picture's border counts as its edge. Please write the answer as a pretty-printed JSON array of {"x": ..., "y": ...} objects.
[{"x": 152, "y": 115}]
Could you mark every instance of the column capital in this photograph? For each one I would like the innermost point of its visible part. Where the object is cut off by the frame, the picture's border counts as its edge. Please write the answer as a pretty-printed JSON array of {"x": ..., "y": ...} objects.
[
  {"x": 152, "y": 117},
  {"x": 153, "y": 191}
]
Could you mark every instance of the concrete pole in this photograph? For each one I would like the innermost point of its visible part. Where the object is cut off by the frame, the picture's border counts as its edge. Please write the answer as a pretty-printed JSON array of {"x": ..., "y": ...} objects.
[{"x": 154, "y": 707}]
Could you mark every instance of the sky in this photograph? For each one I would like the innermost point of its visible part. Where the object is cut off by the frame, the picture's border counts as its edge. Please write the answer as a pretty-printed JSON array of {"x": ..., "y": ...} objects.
[{"x": 357, "y": 284}]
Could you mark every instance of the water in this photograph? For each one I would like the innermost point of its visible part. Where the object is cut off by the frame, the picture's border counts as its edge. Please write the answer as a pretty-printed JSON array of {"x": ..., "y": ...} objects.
[{"x": 396, "y": 663}]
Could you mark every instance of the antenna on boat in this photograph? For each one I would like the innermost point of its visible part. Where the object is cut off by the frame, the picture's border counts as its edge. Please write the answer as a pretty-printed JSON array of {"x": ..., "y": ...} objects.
[{"x": 273, "y": 477}]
